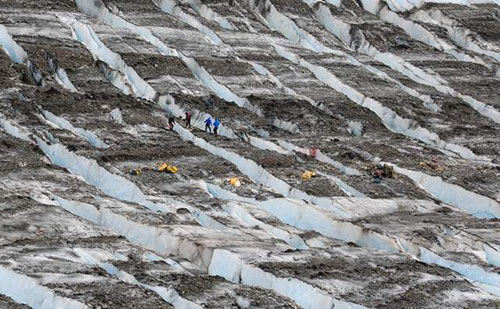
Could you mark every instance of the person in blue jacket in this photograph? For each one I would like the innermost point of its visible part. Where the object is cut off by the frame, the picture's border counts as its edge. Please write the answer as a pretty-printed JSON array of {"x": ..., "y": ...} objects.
[
  {"x": 208, "y": 124},
  {"x": 216, "y": 125}
]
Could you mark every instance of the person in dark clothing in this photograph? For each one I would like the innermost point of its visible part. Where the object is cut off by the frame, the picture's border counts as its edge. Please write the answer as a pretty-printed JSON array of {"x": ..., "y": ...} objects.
[
  {"x": 171, "y": 123},
  {"x": 188, "y": 120},
  {"x": 208, "y": 124},
  {"x": 377, "y": 176},
  {"x": 216, "y": 125},
  {"x": 209, "y": 102}
]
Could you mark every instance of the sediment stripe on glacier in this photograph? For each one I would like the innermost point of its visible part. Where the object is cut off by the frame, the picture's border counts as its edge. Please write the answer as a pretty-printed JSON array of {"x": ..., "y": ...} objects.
[
  {"x": 308, "y": 218},
  {"x": 289, "y": 29},
  {"x": 408, "y": 5},
  {"x": 389, "y": 118},
  {"x": 461, "y": 36},
  {"x": 99, "y": 10},
  {"x": 18, "y": 55},
  {"x": 171, "y": 7},
  {"x": 113, "y": 185},
  {"x": 169, "y": 294},
  {"x": 416, "y": 31},
  {"x": 204, "y": 11},
  {"x": 247, "y": 218},
  {"x": 359, "y": 43},
  {"x": 217, "y": 262}
]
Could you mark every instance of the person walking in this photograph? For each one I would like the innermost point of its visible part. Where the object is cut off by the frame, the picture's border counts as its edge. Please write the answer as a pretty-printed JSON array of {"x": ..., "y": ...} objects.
[
  {"x": 208, "y": 124},
  {"x": 171, "y": 123},
  {"x": 216, "y": 125},
  {"x": 188, "y": 120}
]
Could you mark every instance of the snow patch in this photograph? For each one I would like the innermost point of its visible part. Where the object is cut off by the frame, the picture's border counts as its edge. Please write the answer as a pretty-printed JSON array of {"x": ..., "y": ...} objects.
[
  {"x": 229, "y": 266},
  {"x": 62, "y": 123},
  {"x": 152, "y": 238},
  {"x": 25, "y": 290},
  {"x": 470, "y": 202},
  {"x": 117, "y": 116},
  {"x": 207, "y": 13},
  {"x": 355, "y": 128},
  {"x": 172, "y": 7},
  {"x": 241, "y": 213},
  {"x": 14, "y": 129},
  {"x": 170, "y": 295}
]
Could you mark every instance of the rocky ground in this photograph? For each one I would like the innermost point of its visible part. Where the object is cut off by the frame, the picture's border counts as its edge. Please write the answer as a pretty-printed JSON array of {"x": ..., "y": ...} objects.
[{"x": 345, "y": 89}]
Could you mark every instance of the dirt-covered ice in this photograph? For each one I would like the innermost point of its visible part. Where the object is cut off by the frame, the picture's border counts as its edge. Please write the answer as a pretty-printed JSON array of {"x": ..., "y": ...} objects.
[{"x": 357, "y": 164}]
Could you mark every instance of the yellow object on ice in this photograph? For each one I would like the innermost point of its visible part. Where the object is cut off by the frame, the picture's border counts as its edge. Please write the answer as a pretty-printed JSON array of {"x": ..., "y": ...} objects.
[
  {"x": 235, "y": 182},
  {"x": 308, "y": 175},
  {"x": 162, "y": 167},
  {"x": 136, "y": 172},
  {"x": 165, "y": 167},
  {"x": 172, "y": 169}
]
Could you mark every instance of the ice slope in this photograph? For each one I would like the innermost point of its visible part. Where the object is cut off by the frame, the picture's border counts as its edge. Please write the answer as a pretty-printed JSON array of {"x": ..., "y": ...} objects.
[
  {"x": 306, "y": 217},
  {"x": 408, "y": 5},
  {"x": 358, "y": 42},
  {"x": 389, "y": 118},
  {"x": 130, "y": 82},
  {"x": 98, "y": 9},
  {"x": 162, "y": 242}
]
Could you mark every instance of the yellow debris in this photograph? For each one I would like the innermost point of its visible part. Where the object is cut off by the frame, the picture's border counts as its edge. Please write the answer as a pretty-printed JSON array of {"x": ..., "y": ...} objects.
[
  {"x": 234, "y": 181},
  {"x": 308, "y": 175},
  {"x": 136, "y": 172},
  {"x": 162, "y": 166},
  {"x": 172, "y": 169},
  {"x": 165, "y": 167}
]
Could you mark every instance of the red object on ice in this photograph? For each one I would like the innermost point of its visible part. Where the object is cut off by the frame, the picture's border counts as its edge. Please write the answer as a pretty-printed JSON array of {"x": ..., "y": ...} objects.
[{"x": 313, "y": 151}]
